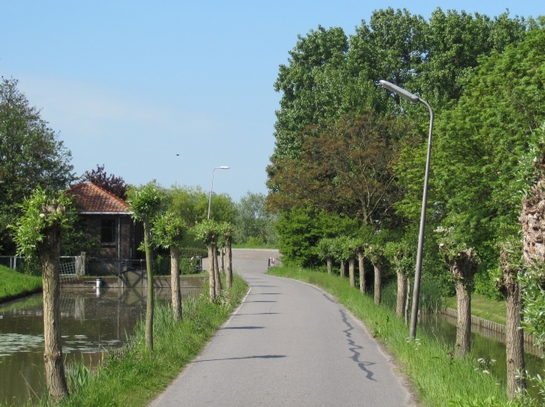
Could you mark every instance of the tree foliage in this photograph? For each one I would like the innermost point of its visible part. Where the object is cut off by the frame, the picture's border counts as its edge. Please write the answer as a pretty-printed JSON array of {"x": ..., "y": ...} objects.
[
  {"x": 252, "y": 220},
  {"x": 42, "y": 212}
]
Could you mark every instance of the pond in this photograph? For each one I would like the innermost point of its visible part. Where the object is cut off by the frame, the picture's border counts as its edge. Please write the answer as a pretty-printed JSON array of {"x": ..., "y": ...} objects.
[{"x": 93, "y": 321}]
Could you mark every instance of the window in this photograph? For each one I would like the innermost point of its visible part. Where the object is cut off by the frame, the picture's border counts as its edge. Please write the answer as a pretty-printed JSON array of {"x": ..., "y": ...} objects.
[{"x": 107, "y": 231}]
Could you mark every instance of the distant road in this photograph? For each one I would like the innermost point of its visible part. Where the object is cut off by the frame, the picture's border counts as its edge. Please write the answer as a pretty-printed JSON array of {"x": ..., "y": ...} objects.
[{"x": 289, "y": 344}]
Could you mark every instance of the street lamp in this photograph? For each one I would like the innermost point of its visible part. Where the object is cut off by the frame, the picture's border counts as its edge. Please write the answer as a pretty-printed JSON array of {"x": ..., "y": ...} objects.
[
  {"x": 416, "y": 292},
  {"x": 222, "y": 167}
]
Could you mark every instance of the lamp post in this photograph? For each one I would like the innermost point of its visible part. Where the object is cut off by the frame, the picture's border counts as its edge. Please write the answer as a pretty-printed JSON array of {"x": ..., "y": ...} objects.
[
  {"x": 222, "y": 167},
  {"x": 418, "y": 271}
]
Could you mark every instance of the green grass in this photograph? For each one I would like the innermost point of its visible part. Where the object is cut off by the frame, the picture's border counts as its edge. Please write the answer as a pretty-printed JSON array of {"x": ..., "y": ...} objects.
[
  {"x": 14, "y": 284},
  {"x": 134, "y": 376},
  {"x": 438, "y": 378},
  {"x": 483, "y": 307}
]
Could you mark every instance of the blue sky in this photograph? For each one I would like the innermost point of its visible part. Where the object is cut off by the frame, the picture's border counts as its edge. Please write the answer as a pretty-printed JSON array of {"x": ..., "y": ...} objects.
[{"x": 132, "y": 84}]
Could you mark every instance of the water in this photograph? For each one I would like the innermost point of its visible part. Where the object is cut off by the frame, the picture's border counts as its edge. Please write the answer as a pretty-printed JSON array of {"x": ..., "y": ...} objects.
[{"x": 92, "y": 322}]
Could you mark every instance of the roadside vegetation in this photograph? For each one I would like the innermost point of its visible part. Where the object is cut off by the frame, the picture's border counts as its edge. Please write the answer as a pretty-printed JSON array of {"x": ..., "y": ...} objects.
[
  {"x": 14, "y": 285},
  {"x": 437, "y": 377}
]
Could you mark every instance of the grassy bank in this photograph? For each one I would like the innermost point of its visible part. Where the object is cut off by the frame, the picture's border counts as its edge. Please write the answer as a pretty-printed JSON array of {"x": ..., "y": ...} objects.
[
  {"x": 438, "y": 378},
  {"x": 134, "y": 376},
  {"x": 14, "y": 285},
  {"x": 483, "y": 307}
]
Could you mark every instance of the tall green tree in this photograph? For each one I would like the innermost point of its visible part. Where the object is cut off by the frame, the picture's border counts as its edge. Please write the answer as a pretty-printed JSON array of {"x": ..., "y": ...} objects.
[
  {"x": 46, "y": 216},
  {"x": 31, "y": 155},
  {"x": 145, "y": 203},
  {"x": 320, "y": 48},
  {"x": 252, "y": 220}
]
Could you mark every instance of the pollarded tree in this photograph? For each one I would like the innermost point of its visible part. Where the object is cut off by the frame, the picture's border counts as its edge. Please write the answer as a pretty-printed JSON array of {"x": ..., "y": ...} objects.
[
  {"x": 351, "y": 249},
  {"x": 145, "y": 203},
  {"x": 375, "y": 253},
  {"x": 463, "y": 263},
  {"x": 168, "y": 232},
  {"x": 208, "y": 232},
  {"x": 226, "y": 235},
  {"x": 38, "y": 233},
  {"x": 401, "y": 256},
  {"x": 325, "y": 252}
]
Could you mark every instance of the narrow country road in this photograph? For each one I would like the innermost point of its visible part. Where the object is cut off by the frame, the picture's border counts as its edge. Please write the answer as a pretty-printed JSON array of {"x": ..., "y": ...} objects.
[{"x": 288, "y": 344}]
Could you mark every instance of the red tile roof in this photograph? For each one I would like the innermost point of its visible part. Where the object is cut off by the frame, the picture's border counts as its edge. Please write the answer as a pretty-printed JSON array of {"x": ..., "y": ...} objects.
[{"x": 90, "y": 198}]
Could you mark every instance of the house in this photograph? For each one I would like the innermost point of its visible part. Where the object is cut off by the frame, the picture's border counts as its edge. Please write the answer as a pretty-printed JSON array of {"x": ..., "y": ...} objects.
[{"x": 108, "y": 220}]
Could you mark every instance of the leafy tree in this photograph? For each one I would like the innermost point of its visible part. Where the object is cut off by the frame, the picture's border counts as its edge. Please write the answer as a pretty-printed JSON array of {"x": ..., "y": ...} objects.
[
  {"x": 168, "y": 232},
  {"x": 192, "y": 204},
  {"x": 31, "y": 155},
  {"x": 145, "y": 203},
  {"x": 252, "y": 220},
  {"x": 111, "y": 183},
  {"x": 454, "y": 43},
  {"x": 311, "y": 53},
  {"x": 346, "y": 168},
  {"x": 301, "y": 229},
  {"x": 38, "y": 232},
  {"x": 390, "y": 47}
]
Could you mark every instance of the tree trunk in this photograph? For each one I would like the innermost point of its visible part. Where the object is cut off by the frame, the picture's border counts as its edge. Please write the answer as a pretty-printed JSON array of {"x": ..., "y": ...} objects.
[
  {"x": 407, "y": 301},
  {"x": 53, "y": 358},
  {"x": 217, "y": 278},
  {"x": 229, "y": 261},
  {"x": 463, "y": 327},
  {"x": 401, "y": 294},
  {"x": 352, "y": 271},
  {"x": 361, "y": 266},
  {"x": 329, "y": 262},
  {"x": 175, "y": 282},
  {"x": 211, "y": 273},
  {"x": 222, "y": 254},
  {"x": 150, "y": 299},
  {"x": 378, "y": 281},
  {"x": 342, "y": 269},
  {"x": 463, "y": 266},
  {"x": 514, "y": 335},
  {"x": 514, "y": 344}
]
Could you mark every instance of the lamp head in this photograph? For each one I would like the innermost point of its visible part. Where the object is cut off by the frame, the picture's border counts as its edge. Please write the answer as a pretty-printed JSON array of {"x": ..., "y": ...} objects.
[{"x": 400, "y": 91}]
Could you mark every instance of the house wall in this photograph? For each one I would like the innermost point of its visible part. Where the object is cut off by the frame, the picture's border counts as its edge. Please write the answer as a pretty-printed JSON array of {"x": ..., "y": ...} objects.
[{"x": 128, "y": 236}]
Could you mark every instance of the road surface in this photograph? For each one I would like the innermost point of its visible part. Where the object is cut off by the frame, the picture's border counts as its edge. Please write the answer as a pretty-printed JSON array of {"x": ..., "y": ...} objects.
[{"x": 288, "y": 344}]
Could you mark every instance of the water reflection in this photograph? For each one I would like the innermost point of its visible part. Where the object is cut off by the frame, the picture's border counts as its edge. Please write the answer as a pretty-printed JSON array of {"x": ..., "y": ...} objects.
[{"x": 92, "y": 322}]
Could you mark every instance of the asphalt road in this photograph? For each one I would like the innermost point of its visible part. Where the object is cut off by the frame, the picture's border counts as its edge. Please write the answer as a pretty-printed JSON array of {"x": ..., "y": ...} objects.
[{"x": 288, "y": 344}]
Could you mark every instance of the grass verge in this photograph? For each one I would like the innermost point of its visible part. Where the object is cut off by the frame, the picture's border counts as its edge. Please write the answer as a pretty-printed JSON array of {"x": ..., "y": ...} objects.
[
  {"x": 438, "y": 378},
  {"x": 134, "y": 376},
  {"x": 483, "y": 307},
  {"x": 14, "y": 284}
]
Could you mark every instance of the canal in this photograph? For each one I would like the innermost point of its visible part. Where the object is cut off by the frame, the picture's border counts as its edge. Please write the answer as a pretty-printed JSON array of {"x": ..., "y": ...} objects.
[{"x": 93, "y": 321}]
